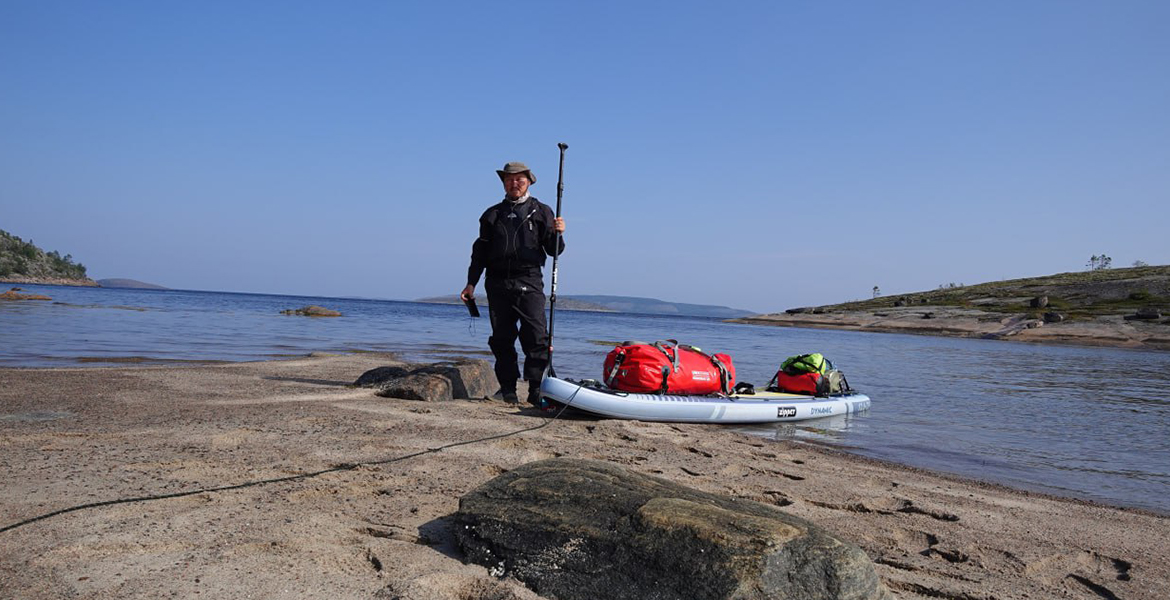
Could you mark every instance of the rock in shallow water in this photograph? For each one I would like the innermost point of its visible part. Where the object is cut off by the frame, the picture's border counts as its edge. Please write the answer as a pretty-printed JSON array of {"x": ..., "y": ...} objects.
[
  {"x": 584, "y": 529},
  {"x": 13, "y": 295},
  {"x": 311, "y": 311}
]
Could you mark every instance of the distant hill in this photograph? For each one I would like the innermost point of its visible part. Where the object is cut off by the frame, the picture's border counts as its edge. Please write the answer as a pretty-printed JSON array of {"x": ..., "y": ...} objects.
[
  {"x": 129, "y": 283},
  {"x": 481, "y": 300},
  {"x": 24, "y": 262},
  {"x": 624, "y": 304},
  {"x": 654, "y": 306}
]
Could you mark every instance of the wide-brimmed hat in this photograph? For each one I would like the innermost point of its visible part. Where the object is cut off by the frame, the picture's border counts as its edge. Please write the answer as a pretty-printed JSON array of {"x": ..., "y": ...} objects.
[{"x": 516, "y": 167}]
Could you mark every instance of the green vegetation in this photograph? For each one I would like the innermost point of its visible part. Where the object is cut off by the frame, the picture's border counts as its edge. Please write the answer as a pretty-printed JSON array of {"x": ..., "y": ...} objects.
[{"x": 19, "y": 258}]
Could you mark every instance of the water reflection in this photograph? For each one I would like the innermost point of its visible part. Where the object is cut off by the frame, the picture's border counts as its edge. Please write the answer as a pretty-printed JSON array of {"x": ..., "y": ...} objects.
[{"x": 827, "y": 429}]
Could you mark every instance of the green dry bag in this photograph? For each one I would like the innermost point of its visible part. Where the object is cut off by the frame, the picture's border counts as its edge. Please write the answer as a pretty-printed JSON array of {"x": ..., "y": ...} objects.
[{"x": 805, "y": 363}]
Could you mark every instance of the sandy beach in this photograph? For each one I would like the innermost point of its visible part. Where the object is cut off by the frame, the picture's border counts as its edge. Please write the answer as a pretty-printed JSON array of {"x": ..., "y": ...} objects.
[{"x": 362, "y": 505}]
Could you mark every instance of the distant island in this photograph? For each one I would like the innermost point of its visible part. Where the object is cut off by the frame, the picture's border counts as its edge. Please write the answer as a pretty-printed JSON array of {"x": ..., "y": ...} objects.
[
  {"x": 622, "y": 304},
  {"x": 1126, "y": 307},
  {"x": 129, "y": 283},
  {"x": 653, "y": 306},
  {"x": 481, "y": 300},
  {"x": 24, "y": 262}
]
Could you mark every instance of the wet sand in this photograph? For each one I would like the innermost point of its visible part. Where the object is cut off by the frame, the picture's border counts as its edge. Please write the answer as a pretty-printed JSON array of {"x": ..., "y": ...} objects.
[{"x": 364, "y": 493}]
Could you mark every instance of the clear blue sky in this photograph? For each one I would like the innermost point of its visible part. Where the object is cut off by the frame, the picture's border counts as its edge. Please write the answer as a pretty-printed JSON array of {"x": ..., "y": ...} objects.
[{"x": 761, "y": 155}]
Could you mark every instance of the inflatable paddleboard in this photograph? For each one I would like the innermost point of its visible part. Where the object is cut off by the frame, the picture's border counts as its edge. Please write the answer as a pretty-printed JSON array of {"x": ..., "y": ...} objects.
[{"x": 761, "y": 407}]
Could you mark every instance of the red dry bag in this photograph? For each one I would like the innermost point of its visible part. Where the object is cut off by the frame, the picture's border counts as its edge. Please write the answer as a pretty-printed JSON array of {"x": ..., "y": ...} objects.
[
  {"x": 668, "y": 368},
  {"x": 813, "y": 384}
]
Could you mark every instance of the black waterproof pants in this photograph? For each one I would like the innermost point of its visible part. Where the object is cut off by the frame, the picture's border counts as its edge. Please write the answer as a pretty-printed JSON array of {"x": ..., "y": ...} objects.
[{"x": 516, "y": 307}]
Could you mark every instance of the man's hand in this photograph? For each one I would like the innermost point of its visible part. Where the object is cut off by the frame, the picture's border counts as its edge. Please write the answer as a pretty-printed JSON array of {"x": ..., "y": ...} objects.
[
  {"x": 468, "y": 293},
  {"x": 559, "y": 224}
]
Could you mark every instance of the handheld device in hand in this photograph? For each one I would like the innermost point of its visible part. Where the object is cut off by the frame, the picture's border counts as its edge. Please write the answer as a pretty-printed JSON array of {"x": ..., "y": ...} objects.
[{"x": 471, "y": 307}]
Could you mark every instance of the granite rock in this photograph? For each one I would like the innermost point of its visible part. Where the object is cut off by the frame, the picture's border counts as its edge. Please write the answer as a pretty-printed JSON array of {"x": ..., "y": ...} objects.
[
  {"x": 312, "y": 311},
  {"x": 465, "y": 379},
  {"x": 13, "y": 294},
  {"x": 380, "y": 375},
  {"x": 584, "y": 529},
  {"x": 427, "y": 387},
  {"x": 472, "y": 378},
  {"x": 1145, "y": 314}
]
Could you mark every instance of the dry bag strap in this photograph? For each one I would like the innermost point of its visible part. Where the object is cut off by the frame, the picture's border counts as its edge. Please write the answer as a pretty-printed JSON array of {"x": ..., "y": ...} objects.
[
  {"x": 670, "y": 349},
  {"x": 617, "y": 362},
  {"x": 724, "y": 375}
]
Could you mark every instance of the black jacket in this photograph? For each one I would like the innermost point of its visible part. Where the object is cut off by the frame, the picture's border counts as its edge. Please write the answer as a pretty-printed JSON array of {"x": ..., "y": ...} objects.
[{"x": 514, "y": 240}]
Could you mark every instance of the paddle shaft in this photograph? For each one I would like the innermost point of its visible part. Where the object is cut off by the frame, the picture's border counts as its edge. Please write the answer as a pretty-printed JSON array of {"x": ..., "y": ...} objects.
[{"x": 552, "y": 299}]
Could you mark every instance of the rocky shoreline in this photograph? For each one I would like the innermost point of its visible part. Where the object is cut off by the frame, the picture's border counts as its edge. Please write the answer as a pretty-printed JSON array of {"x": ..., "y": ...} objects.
[
  {"x": 1111, "y": 330},
  {"x": 49, "y": 281},
  {"x": 283, "y": 479},
  {"x": 1122, "y": 308}
]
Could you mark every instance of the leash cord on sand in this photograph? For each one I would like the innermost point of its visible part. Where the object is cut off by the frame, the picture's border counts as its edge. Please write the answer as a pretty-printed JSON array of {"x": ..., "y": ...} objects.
[{"x": 248, "y": 484}]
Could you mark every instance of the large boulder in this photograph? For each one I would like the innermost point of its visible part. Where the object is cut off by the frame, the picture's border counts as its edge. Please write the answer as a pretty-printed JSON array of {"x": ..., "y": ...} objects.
[
  {"x": 377, "y": 376},
  {"x": 581, "y": 529},
  {"x": 1147, "y": 313},
  {"x": 417, "y": 386},
  {"x": 471, "y": 378}
]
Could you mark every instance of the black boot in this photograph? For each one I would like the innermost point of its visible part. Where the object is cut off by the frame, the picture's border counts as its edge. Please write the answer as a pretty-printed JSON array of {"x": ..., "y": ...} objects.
[{"x": 534, "y": 397}]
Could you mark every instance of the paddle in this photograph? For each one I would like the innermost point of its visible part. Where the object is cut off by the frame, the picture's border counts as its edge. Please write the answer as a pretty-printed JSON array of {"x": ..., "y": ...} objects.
[{"x": 552, "y": 298}]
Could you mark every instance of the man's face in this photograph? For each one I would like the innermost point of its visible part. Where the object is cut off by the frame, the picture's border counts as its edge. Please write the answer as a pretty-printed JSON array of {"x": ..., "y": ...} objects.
[{"x": 515, "y": 184}]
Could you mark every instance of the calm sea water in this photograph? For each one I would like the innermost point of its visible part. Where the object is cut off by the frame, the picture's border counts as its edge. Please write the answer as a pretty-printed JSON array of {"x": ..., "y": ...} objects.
[{"x": 1083, "y": 422}]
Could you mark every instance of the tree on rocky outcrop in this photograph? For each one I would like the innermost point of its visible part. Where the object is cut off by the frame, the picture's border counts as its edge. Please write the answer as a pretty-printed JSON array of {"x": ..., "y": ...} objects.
[
  {"x": 19, "y": 258},
  {"x": 1140, "y": 263},
  {"x": 877, "y": 291},
  {"x": 1096, "y": 263}
]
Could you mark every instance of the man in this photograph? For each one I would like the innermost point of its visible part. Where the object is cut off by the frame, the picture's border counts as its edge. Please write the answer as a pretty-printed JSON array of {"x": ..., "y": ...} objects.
[{"x": 515, "y": 238}]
